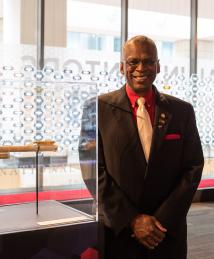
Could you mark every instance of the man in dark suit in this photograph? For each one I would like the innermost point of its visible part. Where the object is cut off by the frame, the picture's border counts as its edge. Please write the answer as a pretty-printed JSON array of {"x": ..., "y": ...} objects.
[{"x": 143, "y": 201}]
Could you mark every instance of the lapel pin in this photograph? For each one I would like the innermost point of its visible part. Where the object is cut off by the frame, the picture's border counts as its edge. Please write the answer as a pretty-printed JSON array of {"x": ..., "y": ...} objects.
[
  {"x": 163, "y": 115},
  {"x": 162, "y": 120}
]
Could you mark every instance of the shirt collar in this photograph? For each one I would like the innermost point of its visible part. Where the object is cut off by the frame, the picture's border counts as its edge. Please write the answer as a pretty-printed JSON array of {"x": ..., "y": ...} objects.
[{"x": 149, "y": 97}]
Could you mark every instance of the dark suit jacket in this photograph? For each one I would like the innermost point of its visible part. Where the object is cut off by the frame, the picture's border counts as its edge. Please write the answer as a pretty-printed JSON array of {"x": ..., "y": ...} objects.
[{"x": 128, "y": 185}]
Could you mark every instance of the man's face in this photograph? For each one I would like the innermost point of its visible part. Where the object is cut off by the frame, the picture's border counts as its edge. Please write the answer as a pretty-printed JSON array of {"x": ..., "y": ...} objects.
[{"x": 140, "y": 66}]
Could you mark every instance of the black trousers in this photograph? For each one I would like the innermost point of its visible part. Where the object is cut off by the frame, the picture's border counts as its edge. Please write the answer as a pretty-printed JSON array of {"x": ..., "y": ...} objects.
[{"x": 121, "y": 246}]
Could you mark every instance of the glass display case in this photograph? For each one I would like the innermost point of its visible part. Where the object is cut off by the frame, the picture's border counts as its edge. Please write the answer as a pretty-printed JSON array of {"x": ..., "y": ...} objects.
[{"x": 47, "y": 150}]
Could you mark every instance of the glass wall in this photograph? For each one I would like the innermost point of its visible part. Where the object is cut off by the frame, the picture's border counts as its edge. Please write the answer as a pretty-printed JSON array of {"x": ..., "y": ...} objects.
[
  {"x": 91, "y": 40},
  {"x": 18, "y": 34},
  {"x": 168, "y": 23},
  {"x": 82, "y": 44},
  {"x": 205, "y": 85}
]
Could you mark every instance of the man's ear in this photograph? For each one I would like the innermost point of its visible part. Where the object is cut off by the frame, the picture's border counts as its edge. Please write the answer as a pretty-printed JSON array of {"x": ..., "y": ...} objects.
[
  {"x": 158, "y": 67},
  {"x": 122, "y": 71}
]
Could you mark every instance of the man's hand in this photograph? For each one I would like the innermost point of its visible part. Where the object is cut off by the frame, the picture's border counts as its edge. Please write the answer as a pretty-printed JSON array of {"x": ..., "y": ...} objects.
[{"x": 148, "y": 230}]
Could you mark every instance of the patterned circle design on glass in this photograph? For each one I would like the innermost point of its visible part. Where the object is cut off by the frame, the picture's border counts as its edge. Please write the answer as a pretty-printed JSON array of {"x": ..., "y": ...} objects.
[
  {"x": 58, "y": 76},
  {"x": 60, "y": 149},
  {"x": 75, "y": 113},
  {"x": 59, "y": 100},
  {"x": 28, "y": 106},
  {"x": 103, "y": 73},
  {"x": 47, "y": 84},
  {"x": 181, "y": 77},
  {"x": 173, "y": 82},
  {"x": 48, "y": 106},
  {"x": 59, "y": 125},
  {"x": 28, "y": 118},
  {"x": 195, "y": 88},
  {"x": 75, "y": 100},
  {"x": 207, "y": 119},
  {"x": 48, "y": 70},
  {"x": 48, "y": 94},
  {"x": 28, "y": 84},
  {"x": 59, "y": 113},
  {"x": 67, "y": 106},
  {"x": 67, "y": 94},
  {"x": 208, "y": 99},
  {"x": 194, "y": 99},
  {"x": 67, "y": 71},
  {"x": 103, "y": 85},
  {"x": 201, "y": 83},
  {"x": 7, "y": 83},
  {"x": 199, "y": 93},
  {"x": 67, "y": 130},
  {"x": 18, "y": 75},
  {"x": 28, "y": 131},
  {"x": 7, "y": 106},
  {"x": 84, "y": 94},
  {"x": 18, "y": 100},
  {"x": 19, "y": 113},
  {"x": 207, "y": 139},
  {"x": 58, "y": 137},
  {"x": 17, "y": 139},
  {"x": 28, "y": 93},
  {"x": 67, "y": 142},
  {"x": 38, "y": 125},
  {"x": 77, "y": 77},
  {"x": 67, "y": 119},
  {"x": 18, "y": 125},
  {"x": 39, "y": 100},
  {"x": 86, "y": 72},
  {"x": 75, "y": 124},
  {"x": 201, "y": 104},
  {"x": 194, "y": 78},
  {"x": 8, "y": 68},
  {"x": 39, "y": 75},
  {"x": 7, "y": 118},
  {"x": 48, "y": 131},
  {"x": 29, "y": 68},
  {"x": 188, "y": 94},
  {"x": 75, "y": 137},
  {"x": 48, "y": 119},
  {"x": 74, "y": 148},
  {"x": 112, "y": 79},
  {"x": 38, "y": 136},
  {"x": 208, "y": 109},
  {"x": 7, "y": 131},
  {"x": 7, "y": 143},
  {"x": 208, "y": 129},
  {"x": 38, "y": 112},
  {"x": 95, "y": 78},
  {"x": 208, "y": 79}
]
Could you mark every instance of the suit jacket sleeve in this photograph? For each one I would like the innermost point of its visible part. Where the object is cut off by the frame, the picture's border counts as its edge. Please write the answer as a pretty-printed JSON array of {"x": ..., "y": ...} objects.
[{"x": 175, "y": 208}]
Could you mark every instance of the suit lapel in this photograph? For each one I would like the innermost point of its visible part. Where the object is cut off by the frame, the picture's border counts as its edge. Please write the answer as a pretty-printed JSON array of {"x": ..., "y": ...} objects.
[
  {"x": 122, "y": 110},
  {"x": 162, "y": 119}
]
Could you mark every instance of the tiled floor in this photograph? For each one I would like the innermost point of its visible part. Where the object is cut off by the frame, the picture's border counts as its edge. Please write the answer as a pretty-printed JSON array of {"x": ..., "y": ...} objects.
[{"x": 201, "y": 231}]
